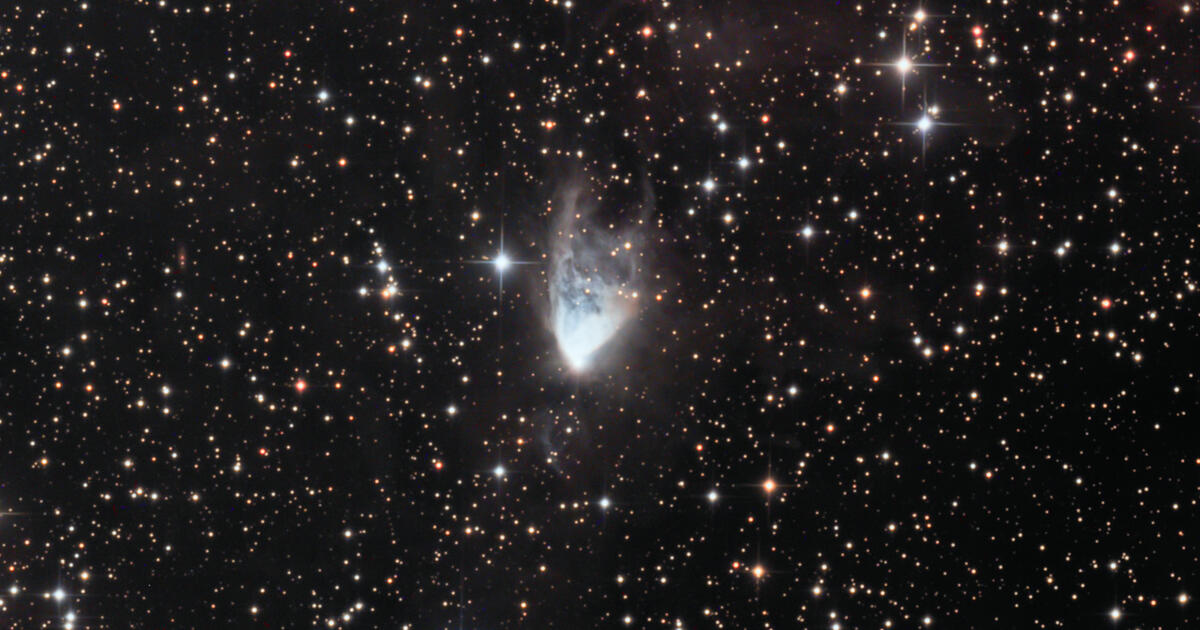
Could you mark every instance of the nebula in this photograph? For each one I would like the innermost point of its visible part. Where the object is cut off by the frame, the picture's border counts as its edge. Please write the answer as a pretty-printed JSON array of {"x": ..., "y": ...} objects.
[{"x": 590, "y": 292}]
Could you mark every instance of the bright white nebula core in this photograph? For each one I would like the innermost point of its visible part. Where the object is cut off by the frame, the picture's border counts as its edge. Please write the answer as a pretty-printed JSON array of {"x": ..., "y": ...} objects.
[{"x": 589, "y": 297}]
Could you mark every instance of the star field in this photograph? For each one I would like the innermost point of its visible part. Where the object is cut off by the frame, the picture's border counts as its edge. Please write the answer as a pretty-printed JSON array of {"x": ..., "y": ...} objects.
[{"x": 562, "y": 314}]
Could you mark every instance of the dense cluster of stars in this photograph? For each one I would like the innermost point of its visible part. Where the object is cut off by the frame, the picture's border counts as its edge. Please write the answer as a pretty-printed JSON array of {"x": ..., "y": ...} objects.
[{"x": 879, "y": 315}]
